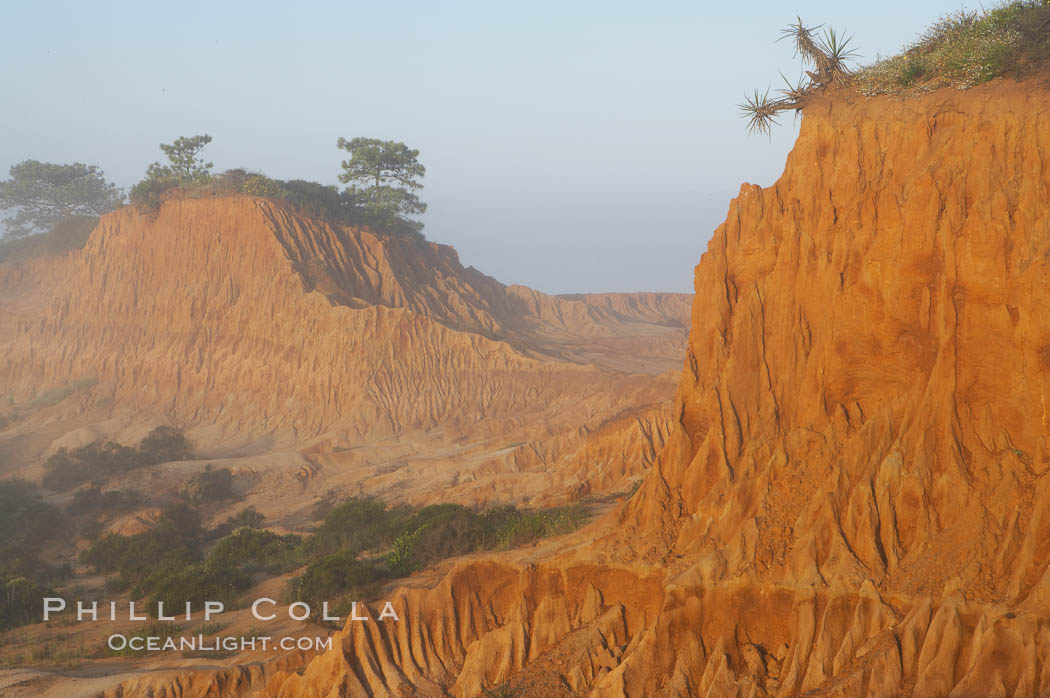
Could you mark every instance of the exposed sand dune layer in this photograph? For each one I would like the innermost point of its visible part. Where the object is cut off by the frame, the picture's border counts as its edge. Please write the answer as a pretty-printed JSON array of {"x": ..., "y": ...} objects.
[{"x": 854, "y": 500}]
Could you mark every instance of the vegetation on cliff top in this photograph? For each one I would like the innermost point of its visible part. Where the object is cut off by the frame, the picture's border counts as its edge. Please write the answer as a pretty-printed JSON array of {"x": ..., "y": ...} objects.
[
  {"x": 964, "y": 49},
  {"x": 39, "y": 195},
  {"x": 383, "y": 178},
  {"x": 51, "y": 208},
  {"x": 961, "y": 50},
  {"x": 827, "y": 51}
]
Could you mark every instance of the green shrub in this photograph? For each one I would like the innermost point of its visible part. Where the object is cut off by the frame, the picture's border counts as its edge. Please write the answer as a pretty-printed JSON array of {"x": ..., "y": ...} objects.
[
  {"x": 360, "y": 524},
  {"x": 255, "y": 550},
  {"x": 335, "y": 575},
  {"x": 440, "y": 531},
  {"x": 527, "y": 527},
  {"x": 144, "y": 559},
  {"x": 259, "y": 185},
  {"x": 21, "y": 601},
  {"x": 245, "y": 517},
  {"x": 210, "y": 485},
  {"x": 197, "y": 584},
  {"x": 319, "y": 201},
  {"x": 149, "y": 194},
  {"x": 67, "y": 468},
  {"x": 165, "y": 444},
  {"x": 27, "y": 523},
  {"x": 94, "y": 499},
  {"x": 167, "y": 563},
  {"x": 404, "y": 557}
]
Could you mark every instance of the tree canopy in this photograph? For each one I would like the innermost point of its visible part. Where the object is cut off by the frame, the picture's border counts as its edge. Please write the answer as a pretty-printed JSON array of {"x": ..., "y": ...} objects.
[
  {"x": 185, "y": 168},
  {"x": 383, "y": 178},
  {"x": 39, "y": 195},
  {"x": 185, "y": 165}
]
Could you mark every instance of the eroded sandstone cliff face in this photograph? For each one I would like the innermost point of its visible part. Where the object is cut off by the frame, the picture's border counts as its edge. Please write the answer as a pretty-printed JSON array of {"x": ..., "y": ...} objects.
[
  {"x": 237, "y": 312},
  {"x": 853, "y": 499},
  {"x": 262, "y": 331}
]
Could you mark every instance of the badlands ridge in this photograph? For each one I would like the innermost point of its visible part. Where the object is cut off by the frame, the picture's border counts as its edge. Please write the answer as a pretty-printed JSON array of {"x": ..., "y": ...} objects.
[{"x": 848, "y": 494}]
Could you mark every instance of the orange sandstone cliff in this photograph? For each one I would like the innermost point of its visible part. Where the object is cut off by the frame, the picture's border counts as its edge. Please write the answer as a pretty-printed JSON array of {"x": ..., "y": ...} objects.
[{"x": 853, "y": 500}]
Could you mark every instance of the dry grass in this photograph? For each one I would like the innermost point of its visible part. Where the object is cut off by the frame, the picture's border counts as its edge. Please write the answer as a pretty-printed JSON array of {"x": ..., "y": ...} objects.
[{"x": 964, "y": 49}]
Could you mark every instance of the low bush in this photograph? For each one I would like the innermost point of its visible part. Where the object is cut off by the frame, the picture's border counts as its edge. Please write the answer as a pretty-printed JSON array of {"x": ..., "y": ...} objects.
[
  {"x": 145, "y": 559},
  {"x": 27, "y": 524},
  {"x": 93, "y": 499},
  {"x": 361, "y": 544},
  {"x": 165, "y": 444},
  {"x": 245, "y": 517},
  {"x": 966, "y": 48},
  {"x": 197, "y": 584},
  {"x": 340, "y": 574},
  {"x": 68, "y": 234},
  {"x": 149, "y": 194},
  {"x": 21, "y": 601},
  {"x": 209, "y": 485},
  {"x": 361, "y": 524},
  {"x": 168, "y": 563},
  {"x": 67, "y": 468},
  {"x": 312, "y": 199},
  {"x": 258, "y": 551},
  {"x": 525, "y": 527},
  {"x": 447, "y": 530}
]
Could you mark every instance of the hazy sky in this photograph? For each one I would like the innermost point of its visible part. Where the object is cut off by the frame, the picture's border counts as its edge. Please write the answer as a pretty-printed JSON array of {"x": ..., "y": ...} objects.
[{"x": 571, "y": 146}]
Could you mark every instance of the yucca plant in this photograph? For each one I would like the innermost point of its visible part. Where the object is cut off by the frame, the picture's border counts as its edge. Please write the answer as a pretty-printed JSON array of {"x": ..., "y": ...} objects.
[
  {"x": 828, "y": 52},
  {"x": 795, "y": 92},
  {"x": 836, "y": 52},
  {"x": 761, "y": 112},
  {"x": 807, "y": 46}
]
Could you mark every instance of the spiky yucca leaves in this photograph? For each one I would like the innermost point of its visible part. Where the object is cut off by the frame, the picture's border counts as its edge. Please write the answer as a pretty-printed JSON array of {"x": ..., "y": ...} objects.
[
  {"x": 837, "y": 53},
  {"x": 828, "y": 52},
  {"x": 762, "y": 112},
  {"x": 804, "y": 39},
  {"x": 807, "y": 46},
  {"x": 795, "y": 92}
]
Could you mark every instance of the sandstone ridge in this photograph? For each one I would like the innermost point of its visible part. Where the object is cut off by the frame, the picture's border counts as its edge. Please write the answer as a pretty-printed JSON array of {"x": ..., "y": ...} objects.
[{"x": 250, "y": 324}]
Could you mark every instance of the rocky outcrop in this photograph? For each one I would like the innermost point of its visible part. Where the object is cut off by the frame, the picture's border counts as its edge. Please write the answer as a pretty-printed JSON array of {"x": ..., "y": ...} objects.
[{"x": 853, "y": 497}]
